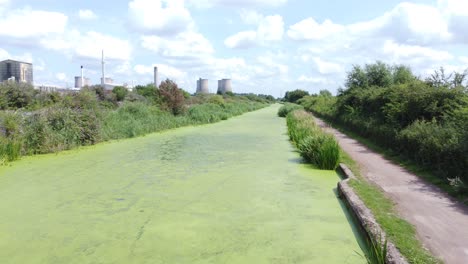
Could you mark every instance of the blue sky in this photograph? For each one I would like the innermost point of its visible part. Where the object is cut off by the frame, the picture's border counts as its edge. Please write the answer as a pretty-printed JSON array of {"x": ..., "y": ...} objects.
[{"x": 265, "y": 46}]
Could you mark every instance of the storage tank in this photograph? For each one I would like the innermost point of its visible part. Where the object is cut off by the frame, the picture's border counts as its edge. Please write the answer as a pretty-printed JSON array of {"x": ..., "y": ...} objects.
[{"x": 202, "y": 86}]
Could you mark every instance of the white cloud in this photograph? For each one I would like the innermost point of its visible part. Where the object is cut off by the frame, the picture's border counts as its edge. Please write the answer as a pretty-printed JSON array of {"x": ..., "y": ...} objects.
[
  {"x": 309, "y": 29},
  {"x": 86, "y": 14},
  {"x": 236, "y": 3},
  {"x": 186, "y": 44},
  {"x": 61, "y": 76},
  {"x": 250, "y": 17},
  {"x": 89, "y": 45},
  {"x": 5, "y": 55},
  {"x": 164, "y": 70},
  {"x": 270, "y": 28},
  {"x": 314, "y": 80},
  {"x": 166, "y": 17},
  {"x": 27, "y": 23},
  {"x": 325, "y": 67},
  {"x": 403, "y": 52},
  {"x": 241, "y": 40}
]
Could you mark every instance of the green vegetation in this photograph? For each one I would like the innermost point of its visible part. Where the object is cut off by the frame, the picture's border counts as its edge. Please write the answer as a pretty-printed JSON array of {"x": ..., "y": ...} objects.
[
  {"x": 398, "y": 230},
  {"x": 315, "y": 146},
  {"x": 376, "y": 251},
  {"x": 287, "y": 108},
  {"x": 34, "y": 122},
  {"x": 425, "y": 121},
  {"x": 294, "y": 96},
  {"x": 128, "y": 201}
]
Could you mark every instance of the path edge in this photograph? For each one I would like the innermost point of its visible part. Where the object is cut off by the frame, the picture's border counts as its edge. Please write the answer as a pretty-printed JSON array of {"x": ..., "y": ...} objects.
[{"x": 364, "y": 216}]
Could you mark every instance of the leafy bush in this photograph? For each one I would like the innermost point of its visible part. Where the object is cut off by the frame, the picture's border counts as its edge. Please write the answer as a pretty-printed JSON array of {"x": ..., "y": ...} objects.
[
  {"x": 172, "y": 97},
  {"x": 287, "y": 108},
  {"x": 120, "y": 92},
  {"x": 424, "y": 120},
  {"x": 15, "y": 95},
  {"x": 294, "y": 96}
]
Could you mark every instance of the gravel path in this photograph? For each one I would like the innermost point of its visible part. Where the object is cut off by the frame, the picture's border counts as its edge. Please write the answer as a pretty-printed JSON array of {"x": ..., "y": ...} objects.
[{"x": 441, "y": 223}]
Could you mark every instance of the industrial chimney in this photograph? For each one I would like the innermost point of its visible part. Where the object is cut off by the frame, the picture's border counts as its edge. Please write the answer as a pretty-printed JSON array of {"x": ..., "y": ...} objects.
[
  {"x": 156, "y": 81},
  {"x": 103, "y": 82},
  {"x": 82, "y": 81}
]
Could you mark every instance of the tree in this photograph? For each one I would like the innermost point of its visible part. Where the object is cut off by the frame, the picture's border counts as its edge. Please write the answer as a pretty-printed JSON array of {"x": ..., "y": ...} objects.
[
  {"x": 325, "y": 93},
  {"x": 120, "y": 93},
  {"x": 294, "y": 96},
  {"x": 379, "y": 74},
  {"x": 356, "y": 78},
  {"x": 172, "y": 97},
  {"x": 402, "y": 74}
]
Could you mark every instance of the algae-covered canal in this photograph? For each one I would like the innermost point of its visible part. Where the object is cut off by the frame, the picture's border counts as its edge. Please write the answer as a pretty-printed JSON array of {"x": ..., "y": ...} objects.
[{"x": 231, "y": 192}]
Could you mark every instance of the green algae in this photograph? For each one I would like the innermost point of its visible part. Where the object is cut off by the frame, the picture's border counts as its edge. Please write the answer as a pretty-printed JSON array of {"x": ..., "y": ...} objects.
[{"x": 231, "y": 192}]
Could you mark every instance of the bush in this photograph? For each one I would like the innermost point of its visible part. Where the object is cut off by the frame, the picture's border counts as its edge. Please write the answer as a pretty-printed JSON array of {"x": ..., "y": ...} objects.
[
  {"x": 424, "y": 120},
  {"x": 294, "y": 96},
  {"x": 287, "y": 108},
  {"x": 314, "y": 145},
  {"x": 15, "y": 95},
  {"x": 172, "y": 97},
  {"x": 120, "y": 93}
]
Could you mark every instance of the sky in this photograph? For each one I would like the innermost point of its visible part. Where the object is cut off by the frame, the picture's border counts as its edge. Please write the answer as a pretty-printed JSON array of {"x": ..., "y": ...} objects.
[{"x": 264, "y": 46}]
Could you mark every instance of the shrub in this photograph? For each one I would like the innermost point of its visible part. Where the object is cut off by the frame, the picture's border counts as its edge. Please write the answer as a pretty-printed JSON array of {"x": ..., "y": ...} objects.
[
  {"x": 172, "y": 97},
  {"x": 15, "y": 95},
  {"x": 314, "y": 145},
  {"x": 294, "y": 96},
  {"x": 120, "y": 93},
  {"x": 287, "y": 108}
]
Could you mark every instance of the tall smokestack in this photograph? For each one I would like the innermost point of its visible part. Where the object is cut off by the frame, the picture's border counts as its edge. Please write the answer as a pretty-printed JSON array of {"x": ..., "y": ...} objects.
[
  {"x": 103, "y": 73},
  {"x": 156, "y": 81},
  {"x": 82, "y": 81}
]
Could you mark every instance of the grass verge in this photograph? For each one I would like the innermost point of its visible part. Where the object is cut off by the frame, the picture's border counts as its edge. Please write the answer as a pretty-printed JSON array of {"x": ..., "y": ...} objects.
[{"x": 399, "y": 231}]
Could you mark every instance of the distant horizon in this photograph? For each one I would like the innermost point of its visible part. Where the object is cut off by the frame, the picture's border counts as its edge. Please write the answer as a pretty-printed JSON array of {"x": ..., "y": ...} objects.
[{"x": 265, "y": 47}]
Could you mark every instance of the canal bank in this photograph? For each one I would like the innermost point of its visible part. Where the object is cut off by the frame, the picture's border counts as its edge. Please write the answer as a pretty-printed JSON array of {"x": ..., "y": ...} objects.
[{"x": 230, "y": 192}]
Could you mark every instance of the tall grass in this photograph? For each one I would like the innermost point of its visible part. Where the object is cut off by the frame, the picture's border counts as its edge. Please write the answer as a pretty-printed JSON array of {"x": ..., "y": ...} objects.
[
  {"x": 314, "y": 145},
  {"x": 376, "y": 251},
  {"x": 78, "y": 123}
]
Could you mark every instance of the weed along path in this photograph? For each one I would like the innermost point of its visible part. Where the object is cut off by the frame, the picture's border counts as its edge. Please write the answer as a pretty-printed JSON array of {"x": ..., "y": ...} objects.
[
  {"x": 440, "y": 222},
  {"x": 231, "y": 192}
]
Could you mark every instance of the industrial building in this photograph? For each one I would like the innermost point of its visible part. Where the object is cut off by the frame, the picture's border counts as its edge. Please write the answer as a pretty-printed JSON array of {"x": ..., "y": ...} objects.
[
  {"x": 202, "y": 86},
  {"x": 224, "y": 86},
  {"x": 81, "y": 82},
  {"x": 16, "y": 71}
]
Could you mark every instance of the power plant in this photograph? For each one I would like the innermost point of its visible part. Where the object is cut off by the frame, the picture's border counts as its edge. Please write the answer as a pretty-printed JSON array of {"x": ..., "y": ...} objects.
[
  {"x": 202, "y": 86},
  {"x": 81, "y": 81},
  {"x": 224, "y": 86},
  {"x": 11, "y": 70}
]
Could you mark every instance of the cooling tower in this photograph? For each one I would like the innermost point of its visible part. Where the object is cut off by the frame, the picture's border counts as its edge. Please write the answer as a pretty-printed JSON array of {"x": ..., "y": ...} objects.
[
  {"x": 224, "y": 86},
  {"x": 202, "y": 86}
]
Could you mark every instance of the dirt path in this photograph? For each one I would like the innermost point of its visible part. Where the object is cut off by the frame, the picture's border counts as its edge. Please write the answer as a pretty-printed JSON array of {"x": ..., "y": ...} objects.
[{"x": 441, "y": 223}]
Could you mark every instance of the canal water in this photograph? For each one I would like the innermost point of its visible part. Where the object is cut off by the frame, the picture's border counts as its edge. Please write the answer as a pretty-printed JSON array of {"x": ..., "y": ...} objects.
[{"x": 230, "y": 192}]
